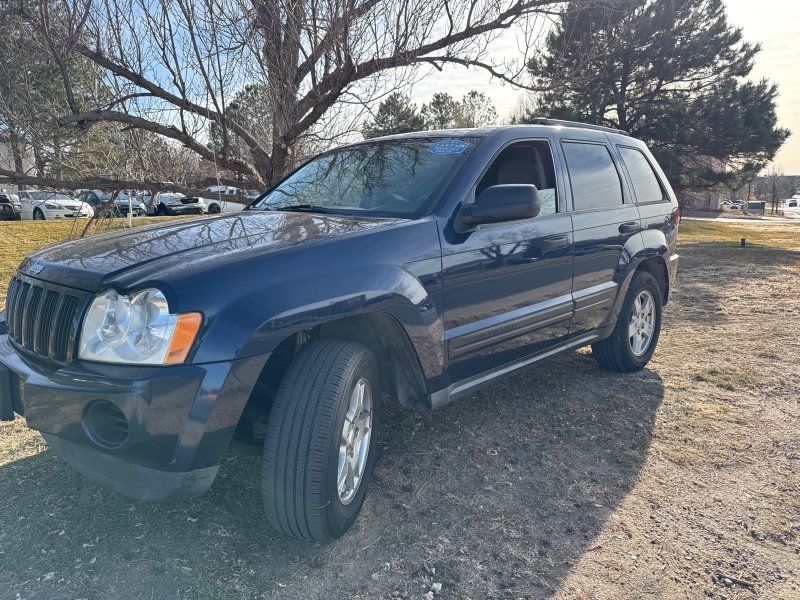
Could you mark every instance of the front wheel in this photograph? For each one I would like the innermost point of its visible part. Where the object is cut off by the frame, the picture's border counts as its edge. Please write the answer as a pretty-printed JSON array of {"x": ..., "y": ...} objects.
[
  {"x": 631, "y": 345},
  {"x": 38, "y": 215},
  {"x": 319, "y": 449}
]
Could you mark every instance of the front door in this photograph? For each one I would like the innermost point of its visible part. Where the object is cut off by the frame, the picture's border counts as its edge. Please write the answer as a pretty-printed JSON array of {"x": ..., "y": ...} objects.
[{"x": 507, "y": 286}]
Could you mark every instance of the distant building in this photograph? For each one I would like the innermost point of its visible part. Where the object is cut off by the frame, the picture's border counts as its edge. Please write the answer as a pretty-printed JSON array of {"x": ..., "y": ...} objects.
[
  {"x": 701, "y": 200},
  {"x": 708, "y": 199}
]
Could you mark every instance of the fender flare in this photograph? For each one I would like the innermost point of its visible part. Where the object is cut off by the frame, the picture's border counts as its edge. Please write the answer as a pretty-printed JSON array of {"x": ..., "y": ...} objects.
[{"x": 392, "y": 291}]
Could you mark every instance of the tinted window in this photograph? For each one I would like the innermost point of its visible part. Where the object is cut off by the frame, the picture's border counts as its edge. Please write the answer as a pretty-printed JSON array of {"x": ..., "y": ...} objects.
[
  {"x": 645, "y": 182},
  {"x": 594, "y": 178},
  {"x": 528, "y": 163}
]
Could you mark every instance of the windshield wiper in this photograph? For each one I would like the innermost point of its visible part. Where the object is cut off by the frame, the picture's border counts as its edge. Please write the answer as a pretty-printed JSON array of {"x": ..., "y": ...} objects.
[{"x": 300, "y": 208}]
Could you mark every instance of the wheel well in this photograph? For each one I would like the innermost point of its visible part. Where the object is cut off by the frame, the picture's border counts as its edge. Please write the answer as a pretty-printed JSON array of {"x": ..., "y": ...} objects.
[
  {"x": 401, "y": 374},
  {"x": 658, "y": 269}
]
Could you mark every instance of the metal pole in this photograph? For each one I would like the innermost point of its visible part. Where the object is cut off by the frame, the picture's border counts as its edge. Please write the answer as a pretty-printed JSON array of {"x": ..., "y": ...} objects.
[{"x": 130, "y": 210}]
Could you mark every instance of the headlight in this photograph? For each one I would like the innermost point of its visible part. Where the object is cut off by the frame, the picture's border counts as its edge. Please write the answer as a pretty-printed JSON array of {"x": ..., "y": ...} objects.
[
  {"x": 52, "y": 206},
  {"x": 138, "y": 329}
]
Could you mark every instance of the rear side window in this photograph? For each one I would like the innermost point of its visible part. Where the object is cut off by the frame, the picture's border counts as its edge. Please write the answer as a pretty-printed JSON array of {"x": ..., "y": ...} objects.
[
  {"x": 594, "y": 178},
  {"x": 645, "y": 182}
]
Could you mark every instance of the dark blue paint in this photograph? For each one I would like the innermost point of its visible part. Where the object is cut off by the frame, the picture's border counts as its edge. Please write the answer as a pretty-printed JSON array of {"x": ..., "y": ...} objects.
[{"x": 468, "y": 302}]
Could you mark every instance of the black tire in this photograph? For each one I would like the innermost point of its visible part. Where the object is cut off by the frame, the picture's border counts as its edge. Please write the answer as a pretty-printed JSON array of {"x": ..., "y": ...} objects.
[
  {"x": 38, "y": 215},
  {"x": 162, "y": 210},
  {"x": 615, "y": 352},
  {"x": 214, "y": 209},
  {"x": 301, "y": 447}
]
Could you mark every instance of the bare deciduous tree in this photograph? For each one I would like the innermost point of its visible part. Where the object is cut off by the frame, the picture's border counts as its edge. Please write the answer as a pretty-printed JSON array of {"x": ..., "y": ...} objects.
[{"x": 172, "y": 68}]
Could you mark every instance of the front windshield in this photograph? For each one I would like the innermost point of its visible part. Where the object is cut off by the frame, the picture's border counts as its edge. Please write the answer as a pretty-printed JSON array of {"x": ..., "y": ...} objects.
[
  {"x": 393, "y": 178},
  {"x": 53, "y": 196}
]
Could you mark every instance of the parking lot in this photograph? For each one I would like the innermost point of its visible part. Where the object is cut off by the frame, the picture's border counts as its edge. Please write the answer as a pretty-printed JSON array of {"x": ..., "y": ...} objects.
[{"x": 682, "y": 480}]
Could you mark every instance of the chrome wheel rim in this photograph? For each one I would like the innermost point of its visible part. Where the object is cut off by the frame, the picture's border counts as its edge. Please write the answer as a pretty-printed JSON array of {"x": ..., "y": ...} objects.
[
  {"x": 643, "y": 323},
  {"x": 354, "y": 441}
]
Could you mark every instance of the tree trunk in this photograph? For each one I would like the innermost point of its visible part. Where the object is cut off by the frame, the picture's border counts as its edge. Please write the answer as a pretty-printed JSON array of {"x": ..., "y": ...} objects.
[{"x": 16, "y": 151}]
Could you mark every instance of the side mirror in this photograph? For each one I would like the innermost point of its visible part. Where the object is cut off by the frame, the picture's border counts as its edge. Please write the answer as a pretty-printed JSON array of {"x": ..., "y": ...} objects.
[{"x": 498, "y": 204}]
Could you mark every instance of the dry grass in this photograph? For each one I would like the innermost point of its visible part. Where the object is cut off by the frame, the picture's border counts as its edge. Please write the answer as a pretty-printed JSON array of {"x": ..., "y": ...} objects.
[
  {"x": 681, "y": 481},
  {"x": 18, "y": 238}
]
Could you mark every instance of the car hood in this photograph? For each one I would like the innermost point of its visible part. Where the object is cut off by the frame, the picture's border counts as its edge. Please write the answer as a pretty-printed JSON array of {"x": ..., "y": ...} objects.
[
  {"x": 69, "y": 204},
  {"x": 92, "y": 262}
]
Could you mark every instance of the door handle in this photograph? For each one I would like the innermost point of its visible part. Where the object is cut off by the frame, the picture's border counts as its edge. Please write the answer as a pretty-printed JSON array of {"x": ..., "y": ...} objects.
[
  {"x": 555, "y": 243},
  {"x": 630, "y": 227}
]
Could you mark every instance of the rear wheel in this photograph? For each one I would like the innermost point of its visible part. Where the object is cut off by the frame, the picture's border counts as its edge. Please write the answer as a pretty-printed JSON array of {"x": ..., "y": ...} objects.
[
  {"x": 319, "y": 449},
  {"x": 214, "y": 209},
  {"x": 38, "y": 215},
  {"x": 635, "y": 336}
]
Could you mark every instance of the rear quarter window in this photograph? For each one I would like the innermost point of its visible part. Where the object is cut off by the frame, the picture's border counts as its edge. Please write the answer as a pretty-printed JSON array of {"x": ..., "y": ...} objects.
[
  {"x": 644, "y": 180},
  {"x": 594, "y": 178}
]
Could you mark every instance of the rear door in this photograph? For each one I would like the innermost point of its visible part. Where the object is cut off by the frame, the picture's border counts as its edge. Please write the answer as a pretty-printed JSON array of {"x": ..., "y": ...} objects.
[{"x": 604, "y": 218}]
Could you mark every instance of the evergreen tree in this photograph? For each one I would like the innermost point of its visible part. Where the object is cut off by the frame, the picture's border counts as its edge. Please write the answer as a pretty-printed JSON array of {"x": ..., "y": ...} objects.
[
  {"x": 251, "y": 108},
  {"x": 396, "y": 114},
  {"x": 442, "y": 112},
  {"x": 477, "y": 110},
  {"x": 670, "y": 72}
]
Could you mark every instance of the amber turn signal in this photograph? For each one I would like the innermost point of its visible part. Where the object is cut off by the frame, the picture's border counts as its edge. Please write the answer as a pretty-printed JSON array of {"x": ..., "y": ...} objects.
[{"x": 183, "y": 337}]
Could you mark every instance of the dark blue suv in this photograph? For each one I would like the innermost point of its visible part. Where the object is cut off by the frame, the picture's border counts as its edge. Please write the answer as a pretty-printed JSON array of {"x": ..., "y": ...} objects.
[{"x": 418, "y": 267}]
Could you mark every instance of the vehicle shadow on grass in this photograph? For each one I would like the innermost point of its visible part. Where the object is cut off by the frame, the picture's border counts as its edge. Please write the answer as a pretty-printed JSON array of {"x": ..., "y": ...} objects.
[{"x": 497, "y": 495}]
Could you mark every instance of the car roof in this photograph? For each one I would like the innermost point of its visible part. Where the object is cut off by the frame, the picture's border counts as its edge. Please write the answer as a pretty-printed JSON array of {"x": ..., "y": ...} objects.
[{"x": 523, "y": 130}]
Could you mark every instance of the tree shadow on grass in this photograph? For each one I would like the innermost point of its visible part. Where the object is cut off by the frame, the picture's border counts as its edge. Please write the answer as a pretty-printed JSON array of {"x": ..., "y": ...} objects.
[{"x": 499, "y": 494}]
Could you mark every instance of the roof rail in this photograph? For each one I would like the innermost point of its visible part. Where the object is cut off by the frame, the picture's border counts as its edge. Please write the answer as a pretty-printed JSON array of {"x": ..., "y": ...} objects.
[{"x": 562, "y": 123}]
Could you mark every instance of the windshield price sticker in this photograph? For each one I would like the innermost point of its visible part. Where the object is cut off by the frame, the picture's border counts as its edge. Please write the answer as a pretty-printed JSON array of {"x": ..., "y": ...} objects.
[{"x": 448, "y": 147}]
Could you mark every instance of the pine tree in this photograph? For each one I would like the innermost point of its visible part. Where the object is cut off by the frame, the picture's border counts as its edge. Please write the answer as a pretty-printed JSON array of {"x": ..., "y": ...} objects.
[
  {"x": 442, "y": 112},
  {"x": 396, "y": 114},
  {"x": 670, "y": 72},
  {"x": 477, "y": 110}
]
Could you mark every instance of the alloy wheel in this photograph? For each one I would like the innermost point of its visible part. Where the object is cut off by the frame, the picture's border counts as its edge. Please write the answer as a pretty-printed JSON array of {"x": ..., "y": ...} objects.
[
  {"x": 354, "y": 441},
  {"x": 642, "y": 324}
]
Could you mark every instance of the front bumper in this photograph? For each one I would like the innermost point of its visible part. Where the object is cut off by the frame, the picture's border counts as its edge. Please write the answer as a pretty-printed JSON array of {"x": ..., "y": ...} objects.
[
  {"x": 180, "y": 419},
  {"x": 65, "y": 214},
  {"x": 185, "y": 209}
]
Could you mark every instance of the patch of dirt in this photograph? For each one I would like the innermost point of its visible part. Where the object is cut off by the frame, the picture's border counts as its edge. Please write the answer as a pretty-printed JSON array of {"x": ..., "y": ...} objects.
[{"x": 681, "y": 481}]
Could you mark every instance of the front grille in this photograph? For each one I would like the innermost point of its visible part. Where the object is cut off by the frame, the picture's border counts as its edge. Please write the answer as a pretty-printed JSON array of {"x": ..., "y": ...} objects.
[{"x": 42, "y": 317}]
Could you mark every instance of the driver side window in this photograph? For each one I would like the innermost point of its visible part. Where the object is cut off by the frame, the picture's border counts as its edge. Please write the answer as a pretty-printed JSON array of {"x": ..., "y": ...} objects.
[{"x": 527, "y": 163}]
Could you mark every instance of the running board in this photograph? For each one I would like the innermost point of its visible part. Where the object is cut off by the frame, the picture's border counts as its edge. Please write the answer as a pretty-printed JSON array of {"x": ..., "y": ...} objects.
[{"x": 476, "y": 382}]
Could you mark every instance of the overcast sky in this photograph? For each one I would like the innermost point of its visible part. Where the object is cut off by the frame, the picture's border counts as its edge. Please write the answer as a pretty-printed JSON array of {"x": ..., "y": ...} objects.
[{"x": 773, "y": 23}]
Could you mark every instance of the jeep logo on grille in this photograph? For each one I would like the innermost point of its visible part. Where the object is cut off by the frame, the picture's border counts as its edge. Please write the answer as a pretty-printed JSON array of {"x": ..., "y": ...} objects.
[{"x": 35, "y": 268}]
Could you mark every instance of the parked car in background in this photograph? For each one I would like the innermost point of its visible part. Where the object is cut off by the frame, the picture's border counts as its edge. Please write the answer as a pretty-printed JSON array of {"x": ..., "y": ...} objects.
[
  {"x": 97, "y": 198},
  {"x": 10, "y": 207},
  {"x": 419, "y": 267},
  {"x": 169, "y": 203},
  {"x": 46, "y": 206},
  {"x": 13, "y": 201},
  {"x": 217, "y": 201},
  {"x": 793, "y": 202}
]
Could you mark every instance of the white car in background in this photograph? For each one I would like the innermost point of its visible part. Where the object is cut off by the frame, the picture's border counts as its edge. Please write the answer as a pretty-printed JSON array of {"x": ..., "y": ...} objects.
[
  {"x": 169, "y": 203},
  {"x": 216, "y": 202},
  {"x": 48, "y": 206}
]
